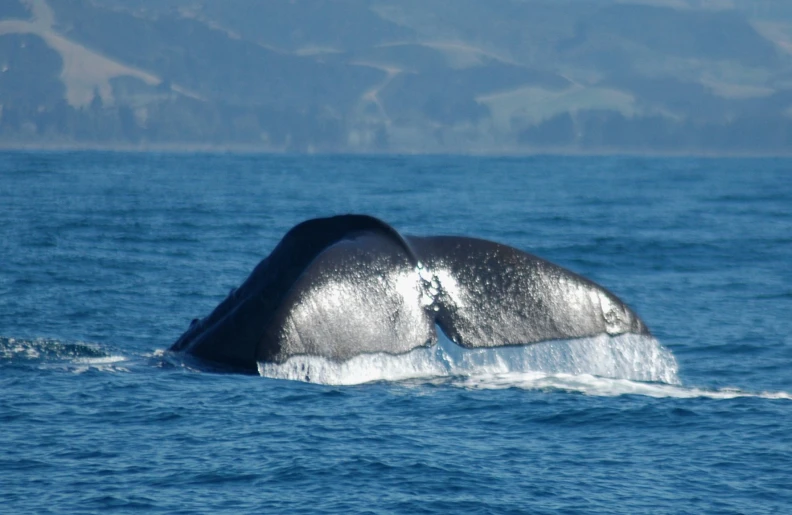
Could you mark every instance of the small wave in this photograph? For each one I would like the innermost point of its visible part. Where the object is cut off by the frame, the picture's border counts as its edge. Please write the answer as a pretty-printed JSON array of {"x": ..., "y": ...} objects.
[
  {"x": 165, "y": 358},
  {"x": 104, "y": 364},
  {"x": 604, "y": 387},
  {"x": 629, "y": 356},
  {"x": 41, "y": 349},
  {"x": 76, "y": 356}
]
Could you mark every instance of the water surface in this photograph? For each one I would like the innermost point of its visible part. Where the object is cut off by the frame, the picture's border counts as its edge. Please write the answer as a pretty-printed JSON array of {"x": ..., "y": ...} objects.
[{"x": 106, "y": 257}]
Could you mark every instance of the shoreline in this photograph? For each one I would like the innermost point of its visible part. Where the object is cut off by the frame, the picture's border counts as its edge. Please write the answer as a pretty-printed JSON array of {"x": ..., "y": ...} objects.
[{"x": 189, "y": 148}]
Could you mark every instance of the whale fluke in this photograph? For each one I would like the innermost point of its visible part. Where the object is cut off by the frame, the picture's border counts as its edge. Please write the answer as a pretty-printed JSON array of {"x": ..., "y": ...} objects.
[
  {"x": 351, "y": 284},
  {"x": 494, "y": 295}
]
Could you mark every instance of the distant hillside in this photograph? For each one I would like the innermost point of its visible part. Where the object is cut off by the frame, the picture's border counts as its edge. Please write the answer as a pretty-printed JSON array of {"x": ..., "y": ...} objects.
[{"x": 700, "y": 76}]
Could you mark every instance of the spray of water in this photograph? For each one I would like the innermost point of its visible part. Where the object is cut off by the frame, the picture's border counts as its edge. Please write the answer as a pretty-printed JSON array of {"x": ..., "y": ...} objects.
[
  {"x": 602, "y": 366},
  {"x": 629, "y": 356}
]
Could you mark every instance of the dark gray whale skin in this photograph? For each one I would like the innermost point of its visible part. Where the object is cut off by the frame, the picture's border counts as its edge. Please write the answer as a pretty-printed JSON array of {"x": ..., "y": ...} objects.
[{"x": 351, "y": 284}]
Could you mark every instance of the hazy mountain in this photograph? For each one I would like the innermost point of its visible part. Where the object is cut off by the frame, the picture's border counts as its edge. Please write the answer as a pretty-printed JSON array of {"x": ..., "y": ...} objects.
[{"x": 410, "y": 76}]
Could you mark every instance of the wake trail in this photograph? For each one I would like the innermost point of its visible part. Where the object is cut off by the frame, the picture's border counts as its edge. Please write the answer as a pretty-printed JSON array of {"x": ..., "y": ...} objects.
[{"x": 606, "y": 387}]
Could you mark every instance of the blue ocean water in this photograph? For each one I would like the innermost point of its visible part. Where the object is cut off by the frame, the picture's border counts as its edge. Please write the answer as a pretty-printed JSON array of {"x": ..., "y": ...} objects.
[{"x": 106, "y": 257}]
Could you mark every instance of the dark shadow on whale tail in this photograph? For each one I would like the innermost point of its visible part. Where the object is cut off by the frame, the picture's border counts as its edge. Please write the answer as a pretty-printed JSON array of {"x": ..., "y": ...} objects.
[{"x": 351, "y": 284}]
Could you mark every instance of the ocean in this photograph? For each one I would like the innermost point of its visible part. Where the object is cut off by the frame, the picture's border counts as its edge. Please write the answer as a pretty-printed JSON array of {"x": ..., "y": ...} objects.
[{"x": 105, "y": 257}]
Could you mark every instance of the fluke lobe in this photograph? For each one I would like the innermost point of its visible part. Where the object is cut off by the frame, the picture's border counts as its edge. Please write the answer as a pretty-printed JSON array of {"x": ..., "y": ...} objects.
[{"x": 346, "y": 285}]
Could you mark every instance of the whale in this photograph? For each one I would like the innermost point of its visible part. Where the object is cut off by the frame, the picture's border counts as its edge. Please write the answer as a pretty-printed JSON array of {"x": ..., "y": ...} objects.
[{"x": 347, "y": 285}]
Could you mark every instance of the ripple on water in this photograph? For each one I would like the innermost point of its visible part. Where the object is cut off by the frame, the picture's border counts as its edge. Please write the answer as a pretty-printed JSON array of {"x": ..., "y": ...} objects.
[{"x": 77, "y": 357}]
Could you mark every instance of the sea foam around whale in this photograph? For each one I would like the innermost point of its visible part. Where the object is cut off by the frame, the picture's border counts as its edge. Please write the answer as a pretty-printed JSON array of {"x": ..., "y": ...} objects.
[
  {"x": 629, "y": 357},
  {"x": 600, "y": 366}
]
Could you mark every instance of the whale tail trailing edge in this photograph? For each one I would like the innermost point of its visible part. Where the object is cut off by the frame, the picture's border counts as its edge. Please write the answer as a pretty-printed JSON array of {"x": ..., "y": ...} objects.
[{"x": 351, "y": 284}]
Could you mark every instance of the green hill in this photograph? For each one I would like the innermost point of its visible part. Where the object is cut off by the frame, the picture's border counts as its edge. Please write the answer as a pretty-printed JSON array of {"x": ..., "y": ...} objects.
[{"x": 411, "y": 76}]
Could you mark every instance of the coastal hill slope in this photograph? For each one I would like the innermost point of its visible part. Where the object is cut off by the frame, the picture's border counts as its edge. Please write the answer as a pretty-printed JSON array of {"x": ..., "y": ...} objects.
[{"x": 682, "y": 76}]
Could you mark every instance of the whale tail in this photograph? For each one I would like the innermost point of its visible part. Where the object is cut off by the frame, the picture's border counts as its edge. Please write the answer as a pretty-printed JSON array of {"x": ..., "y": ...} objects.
[
  {"x": 351, "y": 284},
  {"x": 493, "y": 295},
  {"x": 232, "y": 333}
]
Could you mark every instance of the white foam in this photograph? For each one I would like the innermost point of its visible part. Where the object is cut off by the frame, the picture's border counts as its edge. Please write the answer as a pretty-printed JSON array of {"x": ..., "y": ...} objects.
[
  {"x": 102, "y": 364},
  {"x": 104, "y": 360},
  {"x": 606, "y": 387},
  {"x": 51, "y": 353},
  {"x": 630, "y": 357},
  {"x": 16, "y": 348},
  {"x": 599, "y": 366}
]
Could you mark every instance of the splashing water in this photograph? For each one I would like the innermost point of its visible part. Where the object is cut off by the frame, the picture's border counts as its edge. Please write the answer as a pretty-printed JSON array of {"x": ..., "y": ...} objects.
[
  {"x": 603, "y": 366},
  {"x": 632, "y": 357}
]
